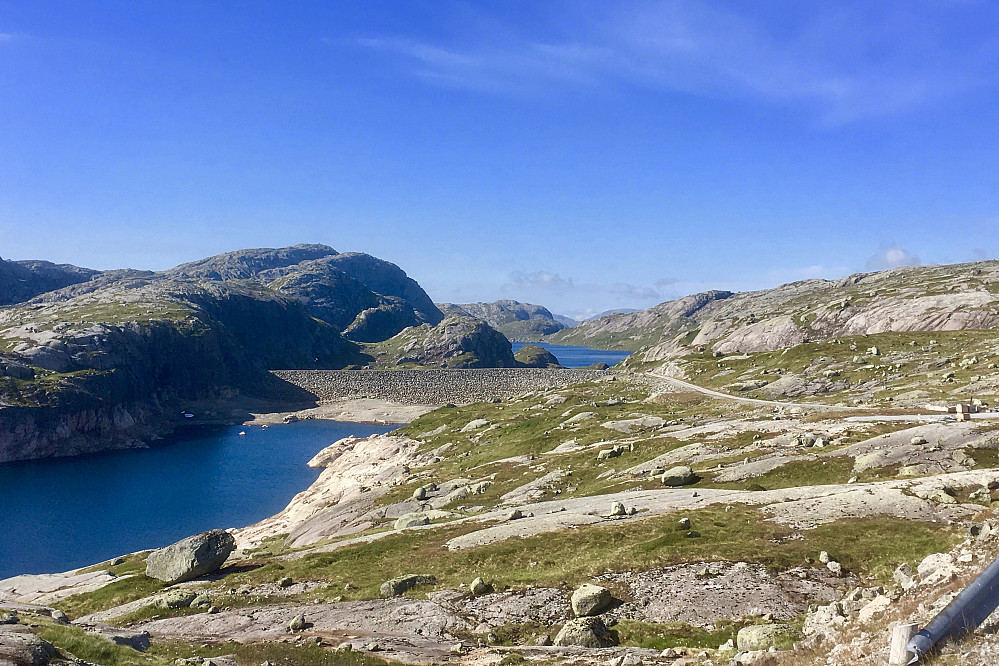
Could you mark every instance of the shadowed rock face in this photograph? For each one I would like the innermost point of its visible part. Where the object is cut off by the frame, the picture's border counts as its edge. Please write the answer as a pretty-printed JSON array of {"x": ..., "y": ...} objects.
[
  {"x": 123, "y": 355},
  {"x": 191, "y": 557},
  {"x": 336, "y": 287},
  {"x": 23, "y": 280},
  {"x": 20, "y": 647},
  {"x": 101, "y": 359},
  {"x": 533, "y": 356},
  {"x": 387, "y": 279},
  {"x": 456, "y": 342},
  {"x": 382, "y": 322}
]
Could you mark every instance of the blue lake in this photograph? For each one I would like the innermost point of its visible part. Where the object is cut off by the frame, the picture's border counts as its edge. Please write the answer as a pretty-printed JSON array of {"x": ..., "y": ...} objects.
[
  {"x": 64, "y": 513},
  {"x": 577, "y": 357}
]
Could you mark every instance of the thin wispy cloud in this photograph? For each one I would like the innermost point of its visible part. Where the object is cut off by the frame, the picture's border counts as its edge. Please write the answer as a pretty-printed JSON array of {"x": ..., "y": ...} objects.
[
  {"x": 538, "y": 279},
  {"x": 582, "y": 299},
  {"x": 846, "y": 62}
]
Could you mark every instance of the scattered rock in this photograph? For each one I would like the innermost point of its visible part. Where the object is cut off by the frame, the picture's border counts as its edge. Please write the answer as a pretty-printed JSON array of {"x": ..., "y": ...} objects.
[
  {"x": 285, "y": 582},
  {"x": 876, "y": 606},
  {"x": 475, "y": 424},
  {"x": 297, "y": 623},
  {"x": 480, "y": 587},
  {"x": 589, "y": 632},
  {"x": 397, "y": 586},
  {"x": 933, "y": 562},
  {"x": 135, "y": 640},
  {"x": 680, "y": 475},
  {"x": 411, "y": 520},
  {"x": 176, "y": 598},
  {"x": 590, "y": 600},
  {"x": 905, "y": 576},
  {"x": 22, "y": 648},
  {"x": 191, "y": 557},
  {"x": 617, "y": 509},
  {"x": 765, "y": 636},
  {"x": 203, "y": 600}
]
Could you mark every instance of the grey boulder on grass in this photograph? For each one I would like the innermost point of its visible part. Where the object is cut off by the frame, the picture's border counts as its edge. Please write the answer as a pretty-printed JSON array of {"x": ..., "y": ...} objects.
[
  {"x": 191, "y": 557},
  {"x": 590, "y": 632}
]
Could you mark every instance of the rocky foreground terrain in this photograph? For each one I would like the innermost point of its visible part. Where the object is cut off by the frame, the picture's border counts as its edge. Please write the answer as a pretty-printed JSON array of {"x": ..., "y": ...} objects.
[
  {"x": 633, "y": 517},
  {"x": 619, "y": 519},
  {"x": 95, "y": 360}
]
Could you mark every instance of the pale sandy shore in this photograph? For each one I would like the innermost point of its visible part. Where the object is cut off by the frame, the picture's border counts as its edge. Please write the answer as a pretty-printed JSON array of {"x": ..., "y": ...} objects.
[{"x": 361, "y": 410}]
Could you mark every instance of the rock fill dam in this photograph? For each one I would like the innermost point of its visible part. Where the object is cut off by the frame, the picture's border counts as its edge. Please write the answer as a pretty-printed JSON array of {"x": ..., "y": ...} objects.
[{"x": 433, "y": 387}]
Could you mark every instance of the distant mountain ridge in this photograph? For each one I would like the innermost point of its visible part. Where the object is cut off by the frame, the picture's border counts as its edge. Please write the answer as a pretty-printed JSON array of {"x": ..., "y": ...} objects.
[
  {"x": 524, "y": 322},
  {"x": 23, "y": 280},
  {"x": 914, "y": 298}
]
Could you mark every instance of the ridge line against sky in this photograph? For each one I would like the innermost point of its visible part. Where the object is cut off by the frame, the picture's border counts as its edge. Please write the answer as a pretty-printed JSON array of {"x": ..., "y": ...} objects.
[{"x": 581, "y": 155}]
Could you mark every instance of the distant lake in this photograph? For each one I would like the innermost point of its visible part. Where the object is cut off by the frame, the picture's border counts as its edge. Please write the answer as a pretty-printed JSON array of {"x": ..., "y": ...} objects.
[
  {"x": 64, "y": 513},
  {"x": 577, "y": 357}
]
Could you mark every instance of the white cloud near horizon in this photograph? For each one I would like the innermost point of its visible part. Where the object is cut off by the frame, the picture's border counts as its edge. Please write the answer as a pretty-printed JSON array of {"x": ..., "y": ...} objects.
[
  {"x": 847, "y": 62},
  {"x": 580, "y": 300},
  {"x": 891, "y": 256}
]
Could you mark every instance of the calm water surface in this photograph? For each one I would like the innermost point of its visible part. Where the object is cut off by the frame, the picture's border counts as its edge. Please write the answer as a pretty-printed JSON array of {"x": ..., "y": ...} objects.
[
  {"x": 577, "y": 357},
  {"x": 60, "y": 514}
]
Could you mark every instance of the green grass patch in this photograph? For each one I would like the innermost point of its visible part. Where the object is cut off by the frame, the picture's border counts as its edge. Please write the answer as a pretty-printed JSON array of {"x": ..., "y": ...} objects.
[
  {"x": 796, "y": 473},
  {"x": 94, "y": 649},
  {"x": 113, "y": 594},
  {"x": 674, "y": 634},
  {"x": 577, "y": 555}
]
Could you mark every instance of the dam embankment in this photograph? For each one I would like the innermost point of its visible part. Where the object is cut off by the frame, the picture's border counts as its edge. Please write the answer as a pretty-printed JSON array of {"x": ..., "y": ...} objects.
[{"x": 433, "y": 387}]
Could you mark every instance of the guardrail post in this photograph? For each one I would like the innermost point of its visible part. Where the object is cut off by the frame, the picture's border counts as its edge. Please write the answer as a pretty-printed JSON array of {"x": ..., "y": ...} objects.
[{"x": 900, "y": 637}]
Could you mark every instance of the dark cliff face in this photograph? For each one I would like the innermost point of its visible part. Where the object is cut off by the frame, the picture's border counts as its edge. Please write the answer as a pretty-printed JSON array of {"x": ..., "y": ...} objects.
[
  {"x": 533, "y": 356},
  {"x": 387, "y": 279},
  {"x": 23, "y": 280},
  {"x": 115, "y": 384},
  {"x": 105, "y": 360}
]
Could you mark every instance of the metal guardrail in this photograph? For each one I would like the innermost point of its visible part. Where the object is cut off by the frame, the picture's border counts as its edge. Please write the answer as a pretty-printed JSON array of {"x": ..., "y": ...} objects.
[{"x": 965, "y": 613}]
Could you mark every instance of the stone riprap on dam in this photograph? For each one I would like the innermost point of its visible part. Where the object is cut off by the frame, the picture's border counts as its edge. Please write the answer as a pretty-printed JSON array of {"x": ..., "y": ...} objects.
[{"x": 433, "y": 387}]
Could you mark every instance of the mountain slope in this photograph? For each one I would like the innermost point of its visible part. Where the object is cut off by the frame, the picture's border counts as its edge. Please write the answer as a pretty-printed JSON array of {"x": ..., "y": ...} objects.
[
  {"x": 517, "y": 321},
  {"x": 23, "y": 280},
  {"x": 110, "y": 359},
  {"x": 920, "y": 298}
]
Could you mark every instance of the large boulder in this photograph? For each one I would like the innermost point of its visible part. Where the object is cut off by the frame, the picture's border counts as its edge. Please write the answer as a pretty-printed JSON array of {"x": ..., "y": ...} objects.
[
  {"x": 765, "y": 636},
  {"x": 397, "y": 586},
  {"x": 589, "y": 632},
  {"x": 20, "y": 647},
  {"x": 590, "y": 600},
  {"x": 191, "y": 557},
  {"x": 176, "y": 598},
  {"x": 680, "y": 475}
]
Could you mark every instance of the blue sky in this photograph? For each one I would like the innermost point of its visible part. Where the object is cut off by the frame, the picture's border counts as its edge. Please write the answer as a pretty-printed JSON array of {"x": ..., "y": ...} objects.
[{"x": 582, "y": 155}]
